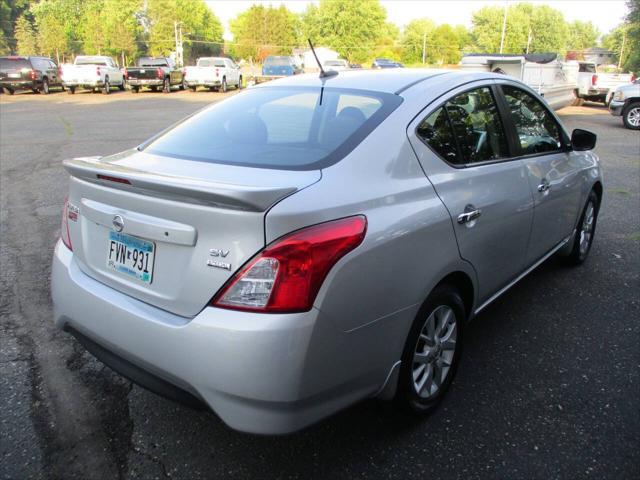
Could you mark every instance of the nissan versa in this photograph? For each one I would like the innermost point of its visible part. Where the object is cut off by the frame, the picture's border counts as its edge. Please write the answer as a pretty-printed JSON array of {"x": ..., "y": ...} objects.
[{"x": 314, "y": 241}]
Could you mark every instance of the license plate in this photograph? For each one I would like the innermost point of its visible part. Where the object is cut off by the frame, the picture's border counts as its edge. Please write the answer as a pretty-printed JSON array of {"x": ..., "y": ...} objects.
[
  {"x": 14, "y": 75},
  {"x": 131, "y": 256},
  {"x": 143, "y": 71}
]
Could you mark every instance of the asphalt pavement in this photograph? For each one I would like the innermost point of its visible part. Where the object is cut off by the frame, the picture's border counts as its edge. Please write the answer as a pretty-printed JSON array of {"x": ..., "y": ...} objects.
[{"x": 549, "y": 386}]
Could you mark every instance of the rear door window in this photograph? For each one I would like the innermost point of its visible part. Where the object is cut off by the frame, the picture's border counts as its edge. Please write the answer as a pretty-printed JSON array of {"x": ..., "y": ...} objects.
[
  {"x": 297, "y": 128},
  {"x": 466, "y": 129}
]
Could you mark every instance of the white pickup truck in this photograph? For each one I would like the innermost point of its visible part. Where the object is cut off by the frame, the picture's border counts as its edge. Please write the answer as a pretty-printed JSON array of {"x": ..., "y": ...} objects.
[
  {"x": 92, "y": 72},
  {"x": 215, "y": 73},
  {"x": 596, "y": 85}
]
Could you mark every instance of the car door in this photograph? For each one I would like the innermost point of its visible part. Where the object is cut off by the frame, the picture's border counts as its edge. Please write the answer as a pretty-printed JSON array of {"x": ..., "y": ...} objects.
[
  {"x": 232, "y": 72},
  {"x": 54, "y": 78},
  {"x": 553, "y": 170},
  {"x": 466, "y": 154}
]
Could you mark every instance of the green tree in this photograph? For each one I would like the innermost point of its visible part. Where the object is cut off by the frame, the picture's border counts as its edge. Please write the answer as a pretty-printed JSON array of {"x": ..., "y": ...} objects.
[
  {"x": 202, "y": 31},
  {"x": 582, "y": 35},
  {"x": 532, "y": 28},
  {"x": 261, "y": 31},
  {"x": 415, "y": 36},
  {"x": 58, "y": 23},
  {"x": 10, "y": 11},
  {"x": 25, "y": 36},
  {"x": 444, "y": 46},
  {"x": 352, "y": 27}
]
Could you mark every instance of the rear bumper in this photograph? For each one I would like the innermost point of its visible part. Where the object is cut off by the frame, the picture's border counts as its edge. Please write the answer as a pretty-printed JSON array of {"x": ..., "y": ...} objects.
[
  {"x": 144, "y": 82},
  {"x": 616, "y": 107},
  {"x": 84, "y": 84},
  {"x": 267, "y": 374},
  {"x": 203, "y": 83},
  {"x": 19, "y": 84}
]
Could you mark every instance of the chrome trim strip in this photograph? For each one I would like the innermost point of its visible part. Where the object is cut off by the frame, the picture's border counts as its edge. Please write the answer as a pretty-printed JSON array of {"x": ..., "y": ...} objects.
[{"x": 521, "y": 276}]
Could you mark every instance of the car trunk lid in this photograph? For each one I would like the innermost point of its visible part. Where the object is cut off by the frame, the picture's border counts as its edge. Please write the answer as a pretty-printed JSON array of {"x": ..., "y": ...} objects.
[{"x": 190, "y": 225}]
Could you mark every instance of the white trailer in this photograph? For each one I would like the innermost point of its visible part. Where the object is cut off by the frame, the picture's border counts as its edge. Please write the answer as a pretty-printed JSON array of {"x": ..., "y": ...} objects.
[{"x": 552, "y": 78}]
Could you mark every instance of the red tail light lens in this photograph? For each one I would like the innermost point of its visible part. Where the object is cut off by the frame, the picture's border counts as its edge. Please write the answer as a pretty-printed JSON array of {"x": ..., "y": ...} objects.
[
  {"x": 160, "y": 73},
  {"x": 126, "y": 74},
  {"x": 64, "y": 227},
  {"x": 98, "y": 71},
  {"x": 634, "y": 77},
  {"x": 33, "y": 74},
  {"x": 217, "y": 72},
  {"x": 594, "y": 80},
  {"x": 287, "y": 275}
]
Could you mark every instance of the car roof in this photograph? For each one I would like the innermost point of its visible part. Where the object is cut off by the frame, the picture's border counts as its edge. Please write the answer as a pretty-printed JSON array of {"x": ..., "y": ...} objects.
[{"x": 388, "y": 81}]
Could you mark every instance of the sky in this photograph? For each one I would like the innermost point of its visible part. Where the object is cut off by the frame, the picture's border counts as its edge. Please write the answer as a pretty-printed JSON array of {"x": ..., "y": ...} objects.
[{"x": 605, "y": 14}]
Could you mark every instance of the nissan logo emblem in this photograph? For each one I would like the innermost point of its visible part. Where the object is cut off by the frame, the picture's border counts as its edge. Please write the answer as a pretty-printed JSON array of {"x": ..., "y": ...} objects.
[{"x": 118, "y": 223}]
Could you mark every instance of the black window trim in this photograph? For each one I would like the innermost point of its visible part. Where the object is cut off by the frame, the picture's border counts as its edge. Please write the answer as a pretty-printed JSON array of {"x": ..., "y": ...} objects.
[{"x": 506, "y": 128}]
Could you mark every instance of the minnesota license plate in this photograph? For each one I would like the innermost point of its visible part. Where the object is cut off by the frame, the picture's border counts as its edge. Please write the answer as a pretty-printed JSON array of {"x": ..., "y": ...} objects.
[
  {"x": 14, "y": 75},
  {"x": 131, "y": 256}
]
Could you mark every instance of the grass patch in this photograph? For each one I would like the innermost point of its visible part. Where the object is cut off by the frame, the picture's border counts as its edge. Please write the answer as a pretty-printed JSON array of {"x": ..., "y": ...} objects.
[
  {"x": 620, "y": 191},
  {"x": 635, "y": 236}
]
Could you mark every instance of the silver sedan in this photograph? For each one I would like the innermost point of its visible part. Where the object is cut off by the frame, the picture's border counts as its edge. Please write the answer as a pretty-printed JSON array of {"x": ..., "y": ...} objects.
[{"x": 315, "y": 241}]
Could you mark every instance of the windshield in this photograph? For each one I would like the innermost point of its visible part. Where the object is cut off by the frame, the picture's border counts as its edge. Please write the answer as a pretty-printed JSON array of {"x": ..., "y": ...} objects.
[
  {"x": 153, "y": 62},
  {"x": 14, "y": 63},
  {"x": 211, "y": 62},
  {"x": 278, "y": 127},
  {"x": 278, "y": 61},
  {"x": 91, "y": 61}
]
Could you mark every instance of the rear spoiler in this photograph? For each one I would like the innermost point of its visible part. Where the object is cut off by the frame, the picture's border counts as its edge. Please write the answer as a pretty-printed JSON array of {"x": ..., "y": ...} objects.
[{"x": 192, "y": 190}]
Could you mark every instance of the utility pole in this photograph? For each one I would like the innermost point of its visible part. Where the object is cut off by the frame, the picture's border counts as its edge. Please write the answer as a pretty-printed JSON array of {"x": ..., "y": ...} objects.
[
  {"x": 624, "y": 37},
  {"x": 504, "y": 26},
  {"x": 177, "y": 31},
  {"x": 424, "y": 47}
]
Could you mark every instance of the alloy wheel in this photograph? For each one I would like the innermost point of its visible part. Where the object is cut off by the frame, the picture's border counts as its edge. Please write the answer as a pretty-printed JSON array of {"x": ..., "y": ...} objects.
[
  {"x": 434, "y": 352},
  {"x": 586, "y": 229},
  {"x": 633, "y": 117}
]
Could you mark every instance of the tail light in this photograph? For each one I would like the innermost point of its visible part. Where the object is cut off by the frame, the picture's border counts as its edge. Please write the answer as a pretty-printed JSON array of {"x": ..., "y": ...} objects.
[
  {"x": 98, "y": 71},
  {"x": 32, "y": 73},
  {"x": 634, "y": 77},
  {"x": 126, "y": 74},
  {"x": 59, "y": 71},
  {"x": 64, "y": 227},
  {"x": 287, "y": 275},
  {"x": 159, "y": 73},
  {"x": 217, "y": 72},
  {"x": 594, "y": 80}
]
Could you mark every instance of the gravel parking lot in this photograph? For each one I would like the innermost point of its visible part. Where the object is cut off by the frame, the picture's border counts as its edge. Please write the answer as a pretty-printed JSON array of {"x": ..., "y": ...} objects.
[{"x": 549, "y": 386}]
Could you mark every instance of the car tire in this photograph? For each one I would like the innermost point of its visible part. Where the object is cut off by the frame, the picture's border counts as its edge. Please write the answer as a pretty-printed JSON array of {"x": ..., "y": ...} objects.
[
  {"x": 223, "y": 85},
  {"x": 183, "y": 85},
  {"x": 121, "y": 87},
  {"x": 106, "y": 88},
  {"x": 71, "y": 90},
  {"x": 193, "y": 89},
  {"x": 577, "y": 101},
  {"x": 631, "y": 116},
  {"x": 585, "y": 231},
  {"x": 11, "y": 91},
  {"x": 135, "y": 89},
  {"x": 240, "y": 83},
  {"x": 45, "y": 87},
  {"x": 153, "y": 89},
  {"x": 432, "y": 350},
  {"x": 166, "y": 85}
]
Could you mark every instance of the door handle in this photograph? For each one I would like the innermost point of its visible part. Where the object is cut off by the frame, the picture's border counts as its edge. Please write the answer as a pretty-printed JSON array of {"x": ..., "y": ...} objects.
[
  {"x": 544, "y": 186},
  {"x": 470, "y": 214}
]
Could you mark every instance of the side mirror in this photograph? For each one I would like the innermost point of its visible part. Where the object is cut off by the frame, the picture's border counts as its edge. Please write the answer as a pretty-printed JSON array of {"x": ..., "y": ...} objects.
[{"x": 583, "y": 140}]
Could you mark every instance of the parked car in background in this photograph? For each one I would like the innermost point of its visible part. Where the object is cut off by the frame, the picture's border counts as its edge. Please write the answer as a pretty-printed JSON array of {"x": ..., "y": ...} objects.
[
  {"x": 595, "y": 84},
  {"x": 214, "y": 73},
  {"x": 38, "y": 74},
  {"x": 626, "y": 103},
  {"x": 154, "y": 73},
  {"x": 335, "y": 65},
  {"x": 385, "y": 63},
  {"x": 92, "y": 72},
  {"x": 225, "y": 264},
  {"x": 279, "y": 66}
]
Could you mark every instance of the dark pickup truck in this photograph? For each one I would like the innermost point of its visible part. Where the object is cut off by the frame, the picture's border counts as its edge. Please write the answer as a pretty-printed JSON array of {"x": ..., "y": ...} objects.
[{"x": 154, "y": 73}]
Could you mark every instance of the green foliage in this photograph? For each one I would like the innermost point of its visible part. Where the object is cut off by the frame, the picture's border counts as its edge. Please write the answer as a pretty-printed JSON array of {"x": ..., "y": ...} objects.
[
  {"x": 354, "y": 28},
  {"x": 582, "y": 35},
  {"x": 25, "y": 36},
  {"x": 415, "y": 34},
  {"x": 58, "y": 23},
  {"x": 10, "y": 11},
  {"x": 625, "y": 39},
  {"x": 540, "y": 27},
  {"x": 198, "y": 23},
  {"x": 261, "y": 31}
]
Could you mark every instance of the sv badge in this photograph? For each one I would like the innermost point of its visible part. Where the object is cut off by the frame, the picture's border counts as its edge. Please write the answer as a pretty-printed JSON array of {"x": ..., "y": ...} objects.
[{"x": 217, "y": 252}]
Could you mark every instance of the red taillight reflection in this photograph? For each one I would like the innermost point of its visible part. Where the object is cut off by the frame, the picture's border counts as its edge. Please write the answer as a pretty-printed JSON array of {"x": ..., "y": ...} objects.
[
  {"x": 594, "y": 80},
  {"x": 109, "y": 178},
  {"x": 64, "y": 227}
]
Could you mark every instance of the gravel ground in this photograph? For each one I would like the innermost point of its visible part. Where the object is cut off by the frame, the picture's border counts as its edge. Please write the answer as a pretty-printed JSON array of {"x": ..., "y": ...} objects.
[{"x": 549, "y": 386}]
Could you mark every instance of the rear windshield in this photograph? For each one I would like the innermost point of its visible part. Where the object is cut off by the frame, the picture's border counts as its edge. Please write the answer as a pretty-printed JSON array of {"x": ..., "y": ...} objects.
[
  {"x": 208, "y": 62},
  {"x": 278, "y": 61},
  {"x": 90, "y": 61},
  {"x": 152, "y": 62},
  {"x": 14, "y": 63},
  {"x": 290, "y": 128},
  {"x": 587, "y": 67}
]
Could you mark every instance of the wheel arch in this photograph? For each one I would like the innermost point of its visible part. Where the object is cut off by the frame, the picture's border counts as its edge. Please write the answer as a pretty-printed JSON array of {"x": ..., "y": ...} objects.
[
  {"x": 463, "y": 283},
  {"x": 597, "y": 187}
]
